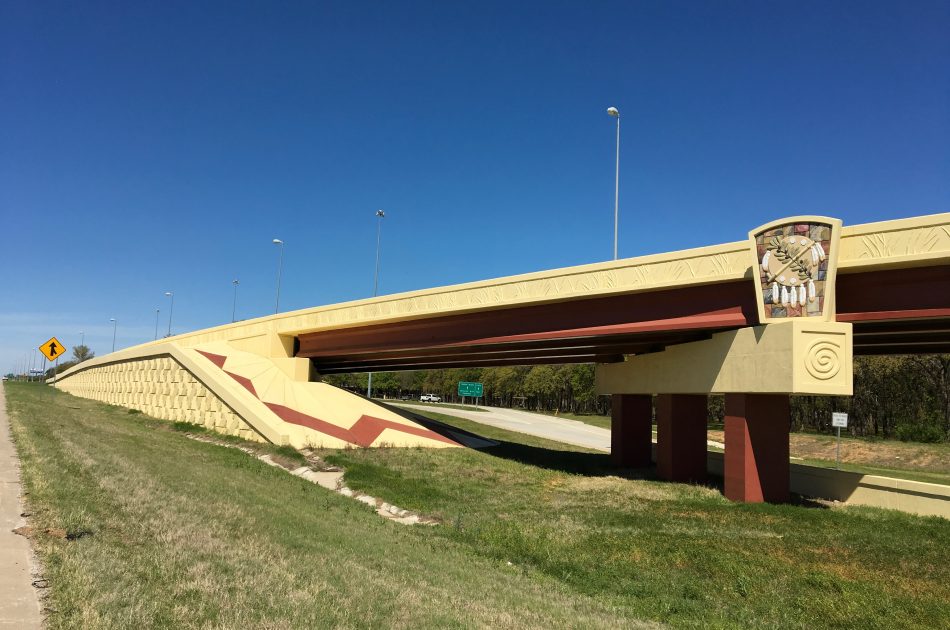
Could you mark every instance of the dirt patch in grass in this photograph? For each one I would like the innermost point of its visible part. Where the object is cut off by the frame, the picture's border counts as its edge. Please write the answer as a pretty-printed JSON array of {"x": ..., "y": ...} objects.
[{"x": 646, "y": 491}]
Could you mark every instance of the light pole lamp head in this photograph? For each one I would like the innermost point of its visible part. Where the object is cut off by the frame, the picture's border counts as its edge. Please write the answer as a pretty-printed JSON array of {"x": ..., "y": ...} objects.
[
  {"x": 169, "y": 293},
  {"x": 277, "y": 241},
  {"x": 235, "y": 282},
  {"x": 112, "y": 319},
  {"x": 380, "y": 213},
  {"x": 613, "y": 111}
]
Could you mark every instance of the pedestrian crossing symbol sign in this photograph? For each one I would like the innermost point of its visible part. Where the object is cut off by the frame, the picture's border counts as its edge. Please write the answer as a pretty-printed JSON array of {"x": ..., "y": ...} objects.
[{"x": 52, "y": 349}]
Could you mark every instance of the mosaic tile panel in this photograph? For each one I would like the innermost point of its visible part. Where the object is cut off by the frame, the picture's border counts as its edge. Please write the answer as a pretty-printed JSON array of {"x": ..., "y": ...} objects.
[{"x": 793, "y": 268}]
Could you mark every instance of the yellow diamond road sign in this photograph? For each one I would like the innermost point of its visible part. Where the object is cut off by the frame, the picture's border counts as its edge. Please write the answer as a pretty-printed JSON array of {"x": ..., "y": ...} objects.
[{"x": 52, "y": 348}]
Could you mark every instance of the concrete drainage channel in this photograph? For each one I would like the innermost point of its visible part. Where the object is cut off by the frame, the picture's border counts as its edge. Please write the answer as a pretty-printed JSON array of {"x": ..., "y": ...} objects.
[{"x": 331, "y": 478}]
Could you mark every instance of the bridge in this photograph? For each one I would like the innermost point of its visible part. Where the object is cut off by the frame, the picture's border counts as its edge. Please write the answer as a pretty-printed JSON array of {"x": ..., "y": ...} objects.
[{"x": 779, "y": 313}]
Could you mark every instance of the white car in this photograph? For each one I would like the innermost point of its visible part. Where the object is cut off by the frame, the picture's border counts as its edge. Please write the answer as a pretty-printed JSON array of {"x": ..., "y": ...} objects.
[{"x": 429, "y": 398}]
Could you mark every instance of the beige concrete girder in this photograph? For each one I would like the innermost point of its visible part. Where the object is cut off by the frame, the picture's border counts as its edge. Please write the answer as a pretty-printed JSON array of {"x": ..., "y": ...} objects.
[{"x": 794, "y": 357}]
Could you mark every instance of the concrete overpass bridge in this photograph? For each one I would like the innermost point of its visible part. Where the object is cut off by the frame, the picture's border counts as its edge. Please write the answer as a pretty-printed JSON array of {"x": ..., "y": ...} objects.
[{"x": 779, "y": 313}]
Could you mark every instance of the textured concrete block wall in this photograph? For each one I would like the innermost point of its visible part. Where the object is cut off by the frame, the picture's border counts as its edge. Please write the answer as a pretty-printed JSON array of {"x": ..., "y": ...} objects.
[{"x": 159, "y": 387}]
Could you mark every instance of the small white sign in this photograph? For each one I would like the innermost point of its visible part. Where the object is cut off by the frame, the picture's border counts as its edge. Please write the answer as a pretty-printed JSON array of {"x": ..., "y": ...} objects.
[{"x": 839, "y": 419}]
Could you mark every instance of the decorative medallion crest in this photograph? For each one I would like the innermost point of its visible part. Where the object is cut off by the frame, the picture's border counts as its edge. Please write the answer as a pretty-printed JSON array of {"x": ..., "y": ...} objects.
[{"x": 796, "y": 261}]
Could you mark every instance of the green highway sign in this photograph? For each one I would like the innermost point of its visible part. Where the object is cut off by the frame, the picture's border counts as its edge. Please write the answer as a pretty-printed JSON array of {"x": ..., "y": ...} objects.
[{"x": 470, "y": 389}]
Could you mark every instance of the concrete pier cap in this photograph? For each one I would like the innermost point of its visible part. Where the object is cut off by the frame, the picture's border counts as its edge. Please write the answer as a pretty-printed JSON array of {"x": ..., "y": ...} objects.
[{"x": 796, "y": 348}]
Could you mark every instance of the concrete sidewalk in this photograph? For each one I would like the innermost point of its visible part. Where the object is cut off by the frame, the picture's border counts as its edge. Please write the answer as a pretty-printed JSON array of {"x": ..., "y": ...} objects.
[{"x": 19, "y": 603}]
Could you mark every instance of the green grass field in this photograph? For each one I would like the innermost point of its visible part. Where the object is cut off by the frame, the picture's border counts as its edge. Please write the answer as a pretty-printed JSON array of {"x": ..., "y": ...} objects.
[{"x": 164, "y": 531}]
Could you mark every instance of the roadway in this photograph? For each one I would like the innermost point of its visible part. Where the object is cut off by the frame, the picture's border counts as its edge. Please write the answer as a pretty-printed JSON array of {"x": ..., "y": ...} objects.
[{"x": 536, "y": 424}]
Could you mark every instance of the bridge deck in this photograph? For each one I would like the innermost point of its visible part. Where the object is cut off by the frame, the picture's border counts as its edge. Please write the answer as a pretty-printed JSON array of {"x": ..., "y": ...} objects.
[{"x": 893, "y": 285}]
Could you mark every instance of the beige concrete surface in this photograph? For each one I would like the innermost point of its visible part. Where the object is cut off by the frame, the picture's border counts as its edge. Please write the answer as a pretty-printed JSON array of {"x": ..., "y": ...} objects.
[
  {"x": 244, "y": 396},
  {"x": 797, "y": 356},
  {"x": 853, "y": 488},
  {"x": 19, "y": 603}
]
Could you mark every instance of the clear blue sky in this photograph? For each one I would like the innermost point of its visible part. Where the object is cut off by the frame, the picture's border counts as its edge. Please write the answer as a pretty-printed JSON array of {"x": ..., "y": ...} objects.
[{"x": 147, "y": 147}]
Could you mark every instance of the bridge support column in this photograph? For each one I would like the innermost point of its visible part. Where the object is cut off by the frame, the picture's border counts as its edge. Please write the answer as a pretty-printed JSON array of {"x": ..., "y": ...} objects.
[
  {"x": 631, "y": 430},
  {"x": 756, "y": 459},
  {"x": 681, "y": 451}
]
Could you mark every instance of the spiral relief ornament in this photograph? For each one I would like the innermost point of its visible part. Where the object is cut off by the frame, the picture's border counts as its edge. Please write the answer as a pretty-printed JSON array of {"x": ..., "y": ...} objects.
[{"x": 822, "y": 359}]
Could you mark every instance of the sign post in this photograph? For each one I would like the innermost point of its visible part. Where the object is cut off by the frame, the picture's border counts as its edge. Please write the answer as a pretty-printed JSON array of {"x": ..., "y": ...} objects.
[
  {"x": 470, "y": 389},
  {"x": 52, "y": 349},
  {"x": 839, "y": 420}
]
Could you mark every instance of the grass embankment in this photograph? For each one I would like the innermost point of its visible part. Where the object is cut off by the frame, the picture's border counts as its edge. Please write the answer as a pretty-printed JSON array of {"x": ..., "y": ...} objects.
[
  {"x": 190, "y": 534},
  {"x": 669, "y": 552},
  {"x": 598, "y": 421},
  {"x": 174, "y": 533}
]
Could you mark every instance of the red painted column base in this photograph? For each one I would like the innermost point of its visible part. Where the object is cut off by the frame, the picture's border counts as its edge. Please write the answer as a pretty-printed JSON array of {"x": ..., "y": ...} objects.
[
  {"x": 631, "y": 430},
  {"x": 681, "y": 437},
  {"x": 756, "y": 459}
]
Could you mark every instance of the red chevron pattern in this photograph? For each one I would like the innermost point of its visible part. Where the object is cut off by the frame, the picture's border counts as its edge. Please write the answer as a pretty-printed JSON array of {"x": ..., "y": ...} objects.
[{"x": 364, "y": 431}]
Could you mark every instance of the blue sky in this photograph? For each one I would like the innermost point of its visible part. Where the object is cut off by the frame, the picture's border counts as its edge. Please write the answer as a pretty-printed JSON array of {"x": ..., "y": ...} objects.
[{"x": 149, "y": 147}]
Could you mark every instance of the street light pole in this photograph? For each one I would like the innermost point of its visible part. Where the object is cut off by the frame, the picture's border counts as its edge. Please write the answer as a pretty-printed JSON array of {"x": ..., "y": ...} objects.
[
  {"x": 157, "y": 311},
  {"x": 115, "y": 325},
  {"x": 234, "y": 303},
  {"x": 379, "y": 230},
  {"x": 280, "y": 268},
  {"x": 82, "y": 338},
  {"x": 171, "y": 309},
  {"x": 613, "y": 111}
]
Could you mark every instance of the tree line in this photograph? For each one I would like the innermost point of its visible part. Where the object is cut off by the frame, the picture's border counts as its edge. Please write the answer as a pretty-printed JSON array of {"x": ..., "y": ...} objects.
[{"x": 903, "y": 397}]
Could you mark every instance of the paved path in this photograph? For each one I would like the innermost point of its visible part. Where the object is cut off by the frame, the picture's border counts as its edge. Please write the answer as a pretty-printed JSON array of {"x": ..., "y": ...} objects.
[
  {"x": 19, "y": 604},
  {"x": 539, "y": 425}
]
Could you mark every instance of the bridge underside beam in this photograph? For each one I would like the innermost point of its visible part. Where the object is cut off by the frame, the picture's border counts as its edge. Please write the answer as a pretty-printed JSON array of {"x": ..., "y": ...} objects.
[
  {"x": 608, "y": 349},
  {"x": 584, "y": 330},
  {"x": 601, "y": 329},
  {"x": 922, "y": 335},
  {"x": 900, "y": 311}
]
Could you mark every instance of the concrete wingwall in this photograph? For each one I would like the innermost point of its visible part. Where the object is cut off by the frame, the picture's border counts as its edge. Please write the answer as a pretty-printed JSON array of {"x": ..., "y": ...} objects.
[
  {"x": 240, "y": 393},
  {"x": 915, "y": 497},
  {"x": 162, "y": 388}
]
